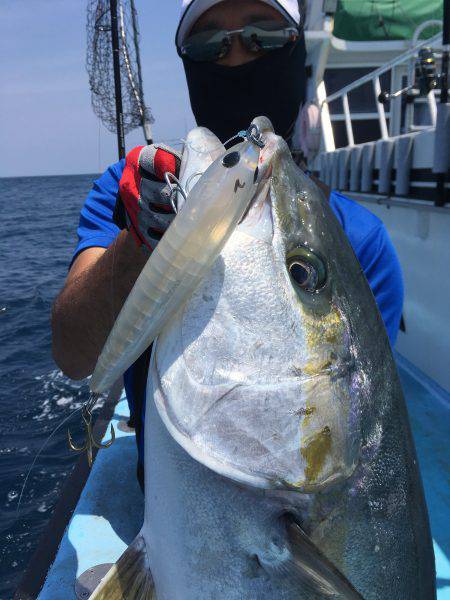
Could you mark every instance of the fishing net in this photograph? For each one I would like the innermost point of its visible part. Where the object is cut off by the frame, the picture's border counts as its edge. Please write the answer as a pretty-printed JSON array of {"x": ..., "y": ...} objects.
[{"x": 99, "y": 64}]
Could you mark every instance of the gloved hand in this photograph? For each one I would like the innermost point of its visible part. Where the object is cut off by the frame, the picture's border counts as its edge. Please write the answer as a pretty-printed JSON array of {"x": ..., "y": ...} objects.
[{"x": 143, "y": 203}]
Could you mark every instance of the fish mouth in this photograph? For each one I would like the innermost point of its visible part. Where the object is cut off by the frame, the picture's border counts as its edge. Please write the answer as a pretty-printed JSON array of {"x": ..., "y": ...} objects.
[
  {"x": 257, "y": 221},
  {"x": 272, "y": 145},
  {"x": 258, "y": 217}
]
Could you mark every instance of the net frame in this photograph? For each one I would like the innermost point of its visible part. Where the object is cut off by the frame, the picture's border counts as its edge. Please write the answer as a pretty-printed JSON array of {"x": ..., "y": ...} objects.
[{"x": 99, "y": 65}]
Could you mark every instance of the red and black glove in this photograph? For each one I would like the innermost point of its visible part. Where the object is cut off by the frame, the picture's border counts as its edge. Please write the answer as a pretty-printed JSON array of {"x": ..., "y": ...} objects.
[{"x": 143, "y": 203}]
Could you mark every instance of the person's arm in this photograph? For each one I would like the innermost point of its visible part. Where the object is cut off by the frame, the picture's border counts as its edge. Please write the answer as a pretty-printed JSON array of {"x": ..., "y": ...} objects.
[
  {"x": 383, "y": 271},
  {"x": 377, "y": 256},
  {"x": 98, "y": 283},
  {"x": 107, "y": 262}
]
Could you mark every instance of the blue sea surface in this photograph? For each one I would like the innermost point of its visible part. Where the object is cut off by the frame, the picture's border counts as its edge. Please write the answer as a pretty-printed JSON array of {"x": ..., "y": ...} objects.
[{"x": 39, "y": 217}]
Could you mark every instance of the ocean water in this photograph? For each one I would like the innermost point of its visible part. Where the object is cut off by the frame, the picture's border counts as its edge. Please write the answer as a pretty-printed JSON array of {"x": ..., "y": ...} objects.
[{"x": 39, "y": 217}]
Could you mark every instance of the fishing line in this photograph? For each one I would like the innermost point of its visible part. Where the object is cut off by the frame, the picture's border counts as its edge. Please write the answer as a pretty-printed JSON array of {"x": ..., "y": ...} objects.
[
  {"x": 239, "y": 135},
  {"x": 252, "y": 134},
  {"x": 40, "y": 452},
  {"x": 98, "y": 147},
  {"x": 199, "y": 149}
]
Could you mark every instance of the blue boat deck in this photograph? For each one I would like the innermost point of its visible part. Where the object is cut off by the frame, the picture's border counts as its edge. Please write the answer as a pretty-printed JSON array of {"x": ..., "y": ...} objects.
[
  {"x": 110, "y": 511},
  {"x": 108, "y": 516},
  {"x": 429, "y": 413}
]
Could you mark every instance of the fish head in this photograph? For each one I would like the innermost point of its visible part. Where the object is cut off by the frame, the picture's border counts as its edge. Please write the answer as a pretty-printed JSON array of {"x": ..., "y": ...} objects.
[{"x": 255, "y": 377}]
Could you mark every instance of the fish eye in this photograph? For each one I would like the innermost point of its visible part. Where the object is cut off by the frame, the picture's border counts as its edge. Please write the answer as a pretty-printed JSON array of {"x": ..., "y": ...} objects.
[
  {"x": 307, "y": 270},
  {"x": 231, "y": 159},
  {"x": 304, "y": 275}
]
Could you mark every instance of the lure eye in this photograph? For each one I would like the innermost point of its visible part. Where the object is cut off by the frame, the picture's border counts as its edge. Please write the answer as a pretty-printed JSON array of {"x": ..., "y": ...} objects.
[
  {"x": 231, "y": 159},
  {"x": 306, "y": 269}
]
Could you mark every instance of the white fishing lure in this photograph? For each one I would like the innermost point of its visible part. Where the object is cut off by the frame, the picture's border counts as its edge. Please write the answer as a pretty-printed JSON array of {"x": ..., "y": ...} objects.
[{"x": 192, "y": 243}]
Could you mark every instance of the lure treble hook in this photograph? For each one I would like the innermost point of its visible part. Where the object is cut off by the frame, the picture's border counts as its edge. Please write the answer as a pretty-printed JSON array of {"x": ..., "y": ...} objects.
[
  {"x": 90, "y": 442},
  {"x": 169, "y": 178}
]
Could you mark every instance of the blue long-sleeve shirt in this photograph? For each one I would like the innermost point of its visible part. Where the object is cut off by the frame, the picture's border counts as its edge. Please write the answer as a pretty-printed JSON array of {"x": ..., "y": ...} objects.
[{"x": 365, "y": 231}]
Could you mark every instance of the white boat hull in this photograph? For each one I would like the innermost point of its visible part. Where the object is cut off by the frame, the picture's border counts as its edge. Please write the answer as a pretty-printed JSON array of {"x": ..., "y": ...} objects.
[{"x": 421, "y": 235}]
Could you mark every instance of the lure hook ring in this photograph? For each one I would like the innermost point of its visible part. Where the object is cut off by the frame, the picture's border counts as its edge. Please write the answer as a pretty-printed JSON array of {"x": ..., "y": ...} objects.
[{"x": 252, "y": 134}]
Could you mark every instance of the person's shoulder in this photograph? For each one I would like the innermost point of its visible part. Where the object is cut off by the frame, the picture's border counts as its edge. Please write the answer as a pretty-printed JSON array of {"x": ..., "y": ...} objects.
[
  {"x": 116, "y": 169},
  {"x": 96, "y": 226},
  {"x": 100, "y": 202},
  {"x": 358, "y": 222},
  {"x": 110, "y": 178},
  {"x": 103, "y": 194}
]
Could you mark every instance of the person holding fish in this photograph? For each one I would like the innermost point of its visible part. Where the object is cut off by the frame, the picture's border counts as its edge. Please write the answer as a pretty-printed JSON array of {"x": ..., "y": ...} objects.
[{"x": 242, "y": 59}]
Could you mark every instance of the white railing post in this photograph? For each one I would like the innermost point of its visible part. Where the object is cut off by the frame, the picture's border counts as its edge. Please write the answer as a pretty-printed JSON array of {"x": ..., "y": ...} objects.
[
  {"x": 432, "y": 105},
  {"x": 395, "y": 109},
  {"x": 380, "y": 109},
  {"x": 409, "y": 108},
  {"x": 325, "y": 120},
  {"x": 321, "y": 93},
  {"x": 348, "y": 121}
]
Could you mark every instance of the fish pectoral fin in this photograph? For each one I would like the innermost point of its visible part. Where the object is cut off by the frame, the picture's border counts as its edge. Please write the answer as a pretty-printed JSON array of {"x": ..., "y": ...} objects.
[
  {"x": 130, "y": 578},
  {"x": 314, "y": 569}
]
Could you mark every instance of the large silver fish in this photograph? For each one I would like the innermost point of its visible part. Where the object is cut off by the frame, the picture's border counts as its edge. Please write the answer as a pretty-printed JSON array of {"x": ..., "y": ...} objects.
[{"x": 278, "y": 455}]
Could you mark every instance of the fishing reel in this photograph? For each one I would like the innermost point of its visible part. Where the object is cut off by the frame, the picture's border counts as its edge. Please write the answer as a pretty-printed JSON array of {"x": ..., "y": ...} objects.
[{"x": 426, "y": 79}]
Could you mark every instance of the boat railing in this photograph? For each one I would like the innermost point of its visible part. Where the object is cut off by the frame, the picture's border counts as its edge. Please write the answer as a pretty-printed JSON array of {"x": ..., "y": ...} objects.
[
  {"x": 410, "y": 156},
  {"x": 400, "y": 67}
]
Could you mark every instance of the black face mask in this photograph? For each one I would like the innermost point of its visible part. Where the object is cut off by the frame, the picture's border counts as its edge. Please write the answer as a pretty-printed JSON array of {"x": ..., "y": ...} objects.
[{"x": 226, "y": 99}]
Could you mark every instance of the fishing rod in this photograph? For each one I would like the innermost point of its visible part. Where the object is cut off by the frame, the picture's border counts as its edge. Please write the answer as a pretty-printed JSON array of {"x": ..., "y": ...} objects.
[{"x": 117, "y": 82}]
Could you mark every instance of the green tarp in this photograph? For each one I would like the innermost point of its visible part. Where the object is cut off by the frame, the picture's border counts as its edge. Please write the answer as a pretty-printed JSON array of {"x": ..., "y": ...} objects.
[{"x": 374, "y": 20}]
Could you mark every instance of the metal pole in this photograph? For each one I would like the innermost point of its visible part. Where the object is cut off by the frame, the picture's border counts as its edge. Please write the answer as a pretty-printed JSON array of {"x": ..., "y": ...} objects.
[
  {"x": 380, "y": 108},
  {"x": 442, "y": 178},
  {"x": 146, "y": 125},
  {"x": 348, "y": 121},
  {"x": 445, "y": 54},
  {"x": 117, "y": 86}
]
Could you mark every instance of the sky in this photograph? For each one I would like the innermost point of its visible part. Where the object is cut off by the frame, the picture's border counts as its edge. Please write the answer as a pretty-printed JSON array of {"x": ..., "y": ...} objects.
[{"x": 47, "y": 125}]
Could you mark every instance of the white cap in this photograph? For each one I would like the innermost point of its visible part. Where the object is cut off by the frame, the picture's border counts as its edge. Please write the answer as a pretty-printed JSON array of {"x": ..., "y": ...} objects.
[{"x": 191, "y": 10}]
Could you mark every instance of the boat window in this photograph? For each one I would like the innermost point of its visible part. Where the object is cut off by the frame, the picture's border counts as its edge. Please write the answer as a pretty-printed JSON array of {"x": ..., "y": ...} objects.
[
  {"x": 361, "y": 100},
  {"x": 365, "y": 130},
  {"x": 362, "y": 104}
]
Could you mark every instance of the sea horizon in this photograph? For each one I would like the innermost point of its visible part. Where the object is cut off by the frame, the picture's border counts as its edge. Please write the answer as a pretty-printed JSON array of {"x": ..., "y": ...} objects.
[{"x": 53, "y": 175}]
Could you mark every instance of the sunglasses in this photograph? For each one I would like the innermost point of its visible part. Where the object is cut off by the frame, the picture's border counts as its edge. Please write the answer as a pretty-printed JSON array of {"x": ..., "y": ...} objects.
[{"x": 215, "y": 44}]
